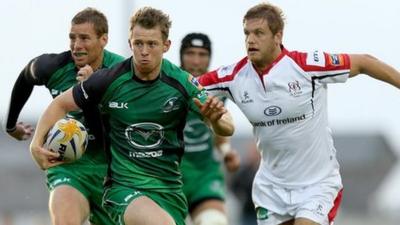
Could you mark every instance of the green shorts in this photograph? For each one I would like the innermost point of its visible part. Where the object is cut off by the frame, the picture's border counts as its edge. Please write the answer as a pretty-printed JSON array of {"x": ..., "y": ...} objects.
[
  {"x": 117, "y": 198},
  {"x": 203, "y": 184},
  {"x": 86, "y": 179}
]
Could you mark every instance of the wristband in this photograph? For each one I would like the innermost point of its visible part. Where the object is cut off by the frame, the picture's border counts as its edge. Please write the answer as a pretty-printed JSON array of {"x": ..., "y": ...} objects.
[
  {"x": 10, "y": 130},
  {"x": 225, "y": 148}
]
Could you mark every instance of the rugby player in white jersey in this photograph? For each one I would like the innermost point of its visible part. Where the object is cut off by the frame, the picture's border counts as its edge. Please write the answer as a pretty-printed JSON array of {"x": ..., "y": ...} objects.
[{"x": 284, "y": 95}]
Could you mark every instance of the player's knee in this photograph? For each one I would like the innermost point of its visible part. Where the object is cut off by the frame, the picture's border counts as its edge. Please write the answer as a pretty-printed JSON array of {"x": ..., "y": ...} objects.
[{"x": 211, "y": 217}]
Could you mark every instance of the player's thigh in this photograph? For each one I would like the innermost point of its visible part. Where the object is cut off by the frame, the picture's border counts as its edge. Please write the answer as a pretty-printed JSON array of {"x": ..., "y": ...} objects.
[
  {"x": 290, "y": 222},
  {"x": 304, "y": 221},
  {"x": 67, "y": 203},
  {"x": 143, "y": 211}
]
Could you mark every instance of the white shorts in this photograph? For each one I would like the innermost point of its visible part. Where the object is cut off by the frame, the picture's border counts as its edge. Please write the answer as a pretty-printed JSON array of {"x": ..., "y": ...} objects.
[{"x": 319, "y": 202}]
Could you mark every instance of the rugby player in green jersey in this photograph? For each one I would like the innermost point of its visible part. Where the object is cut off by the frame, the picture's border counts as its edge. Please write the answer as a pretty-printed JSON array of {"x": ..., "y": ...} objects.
[
  {"x": 199, "y": 164},
  {"x": 76, "y": 188},
  {"x": 146, "y": 99}
]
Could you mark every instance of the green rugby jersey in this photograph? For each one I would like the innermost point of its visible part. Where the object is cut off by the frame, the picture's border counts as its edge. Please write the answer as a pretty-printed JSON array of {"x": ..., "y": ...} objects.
[
  {"x": 146, "y": 121},
  {"x": 199, "y": 146},
  {"x": 58, "y": 73}
]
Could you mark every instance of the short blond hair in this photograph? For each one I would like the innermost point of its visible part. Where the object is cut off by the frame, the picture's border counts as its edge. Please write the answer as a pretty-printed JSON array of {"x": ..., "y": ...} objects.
[
  {"x": 93, "y": 16},
  {"x": 149, "y": 18},
  {"x": 272, "y": 14}
]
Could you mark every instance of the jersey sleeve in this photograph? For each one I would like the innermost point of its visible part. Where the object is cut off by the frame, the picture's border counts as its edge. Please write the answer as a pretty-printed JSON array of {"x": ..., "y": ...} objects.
[
  {"x": 90, "y": 92},
  {"x": 36, "y": 72},
  {"x": 324, "y": 67},
  {"x": 215, "y": 84},
  {"x": 218, "y": 82},
  {"x": 195, "y": 90}
]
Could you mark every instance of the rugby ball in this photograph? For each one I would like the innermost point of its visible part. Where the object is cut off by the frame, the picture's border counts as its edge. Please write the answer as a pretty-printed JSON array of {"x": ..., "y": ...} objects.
[{"x": 69, "y": 138}]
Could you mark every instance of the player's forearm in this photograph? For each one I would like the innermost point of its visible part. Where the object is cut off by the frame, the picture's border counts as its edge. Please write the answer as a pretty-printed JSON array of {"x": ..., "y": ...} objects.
[
  {"x": 224, "y": 126},
  {"x": 375, "y": 68},
  {"x": 20, "y": 94},
  {"x": 222, "y": 144}
]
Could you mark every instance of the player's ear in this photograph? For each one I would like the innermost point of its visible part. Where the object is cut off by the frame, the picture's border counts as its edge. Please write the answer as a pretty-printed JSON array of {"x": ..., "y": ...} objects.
[
  {"x": 104, "y": 40},
  {"x": 129, "y": 42},
  {"x": 167, "y": 44},
  {"x": 278, "y": 37}
]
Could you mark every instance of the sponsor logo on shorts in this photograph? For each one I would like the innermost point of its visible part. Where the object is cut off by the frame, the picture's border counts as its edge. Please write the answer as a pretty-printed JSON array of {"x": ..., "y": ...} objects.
[
  {"x": 318, "y": 210},
  {"x": 55, "y": 92},
  {"x": 262, "y": 213},
  {"x": 60, "y": 181},
  {"x": 134, "y": 194}
]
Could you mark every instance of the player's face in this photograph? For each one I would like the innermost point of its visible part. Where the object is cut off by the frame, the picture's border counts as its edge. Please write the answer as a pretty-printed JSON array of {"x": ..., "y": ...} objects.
[
  {"x": 196, "y": 60},
  {"x": 262, "y": 46},
  {"x": 148, "y": 48},
  {"x": 86, "y": 47}
]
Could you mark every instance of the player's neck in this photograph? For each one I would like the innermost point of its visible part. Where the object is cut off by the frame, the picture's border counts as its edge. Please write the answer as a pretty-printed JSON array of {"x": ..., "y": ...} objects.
[
  {"x": 268, "y": 61},
  {"x": 146, "y": 75},
  {"x": 98, "y": 63}
]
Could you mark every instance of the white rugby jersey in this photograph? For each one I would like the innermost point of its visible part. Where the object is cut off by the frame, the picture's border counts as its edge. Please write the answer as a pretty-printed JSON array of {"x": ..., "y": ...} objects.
[{"x": 287, "y": 107}]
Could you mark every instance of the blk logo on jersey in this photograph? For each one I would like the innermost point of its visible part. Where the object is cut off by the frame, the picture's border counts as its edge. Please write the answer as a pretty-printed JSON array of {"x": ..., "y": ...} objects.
[
  {"x": 294, "y": 88},
  {"x": 118, "y": 105},
  {"x": 246, "y": 98}
]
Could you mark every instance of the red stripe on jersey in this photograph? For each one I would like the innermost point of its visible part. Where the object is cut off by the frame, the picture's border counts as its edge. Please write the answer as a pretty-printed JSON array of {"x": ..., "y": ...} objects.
[
  {"x": 343, "y": 61},
  {"x": 211, "y": 78},
  {"x": 336, "y": 204}
]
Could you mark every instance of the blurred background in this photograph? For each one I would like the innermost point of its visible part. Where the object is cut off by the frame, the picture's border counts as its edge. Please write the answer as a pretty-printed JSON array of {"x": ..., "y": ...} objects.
[{"x": 363, "y": 113}]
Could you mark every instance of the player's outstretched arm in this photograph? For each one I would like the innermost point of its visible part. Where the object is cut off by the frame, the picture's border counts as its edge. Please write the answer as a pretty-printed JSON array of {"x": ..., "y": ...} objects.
[
  {"x": 366, "y": 64},
  {"x": 22, "y": 89},
  {"x": 217, "y": 115},
  {"x": 57, "y": 109}
]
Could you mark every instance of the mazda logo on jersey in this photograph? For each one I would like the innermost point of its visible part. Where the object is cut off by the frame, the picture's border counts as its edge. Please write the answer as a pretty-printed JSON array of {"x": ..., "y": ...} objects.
[
  {"x": 272, "y": 111},
  {"x": 144, "y": 135}
]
